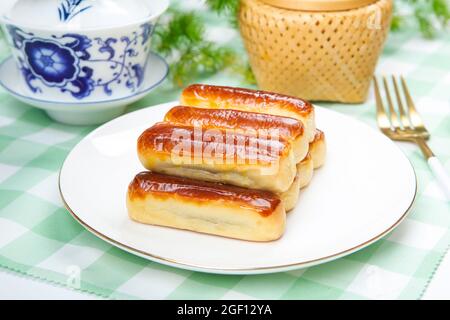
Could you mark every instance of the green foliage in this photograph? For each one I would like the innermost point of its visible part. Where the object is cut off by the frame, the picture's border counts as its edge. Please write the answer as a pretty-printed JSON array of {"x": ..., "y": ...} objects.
[
  {"x": 229, "y": 8},
  {"x": 182, "y": 31},
  {"x": 181, "y": 40},
  {"x": 429, "y": 16},
  {"x": 199, "y": 60},
  {"x": 223, "y": 6}
]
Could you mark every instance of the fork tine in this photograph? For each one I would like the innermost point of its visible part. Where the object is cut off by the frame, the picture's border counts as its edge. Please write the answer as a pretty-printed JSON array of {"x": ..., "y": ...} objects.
[
  {"x": 414, "y": 116},
  {"x": 382, "y": 118},
  {"x": 393, "y": 114},
  {"x": 403, "y": 116}
]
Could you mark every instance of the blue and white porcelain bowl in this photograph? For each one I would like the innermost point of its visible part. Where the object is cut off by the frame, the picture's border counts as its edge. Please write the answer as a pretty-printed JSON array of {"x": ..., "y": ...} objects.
[{"x": 81, "y": 50}]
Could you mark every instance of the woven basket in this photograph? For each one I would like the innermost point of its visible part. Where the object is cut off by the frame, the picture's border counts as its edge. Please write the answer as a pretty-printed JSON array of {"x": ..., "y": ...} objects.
[{"x": 327, "y": 55}]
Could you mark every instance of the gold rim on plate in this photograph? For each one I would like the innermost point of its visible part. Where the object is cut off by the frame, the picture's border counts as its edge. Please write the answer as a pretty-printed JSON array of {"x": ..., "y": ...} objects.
[{"x": 269, "y": 269}]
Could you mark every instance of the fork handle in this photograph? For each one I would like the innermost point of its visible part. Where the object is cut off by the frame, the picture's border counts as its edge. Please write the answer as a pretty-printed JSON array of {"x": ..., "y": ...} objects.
[{"x": 441, "y": 175}]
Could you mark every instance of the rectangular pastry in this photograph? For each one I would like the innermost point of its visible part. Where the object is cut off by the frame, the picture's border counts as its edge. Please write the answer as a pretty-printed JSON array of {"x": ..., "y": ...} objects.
[
  {"x": 217, "y": 155},
  {"x": 305, "y": 172},
  {"x": 291, "y": 196},
  {"x": 219, "y": 97},
  {"x": 246, "y": 122},
  {"x": 314, "y": 159},
  {"x": 318, "y": 149},
  {"x": 205, "y": 207}
]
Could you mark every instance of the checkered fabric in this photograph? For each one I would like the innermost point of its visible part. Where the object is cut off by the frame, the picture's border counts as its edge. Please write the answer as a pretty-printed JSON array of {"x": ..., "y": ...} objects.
[{"x": 40, "y": 239}]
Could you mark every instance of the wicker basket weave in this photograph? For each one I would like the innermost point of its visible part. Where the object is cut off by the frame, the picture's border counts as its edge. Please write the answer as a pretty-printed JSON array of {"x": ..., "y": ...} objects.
[{"x": 327, "y": 56}]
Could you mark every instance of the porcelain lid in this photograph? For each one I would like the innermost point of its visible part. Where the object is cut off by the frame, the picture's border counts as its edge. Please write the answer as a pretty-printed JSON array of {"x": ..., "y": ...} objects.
[
  {"x": 82, "y": 14},
  {"x": 319, "y": 5}
]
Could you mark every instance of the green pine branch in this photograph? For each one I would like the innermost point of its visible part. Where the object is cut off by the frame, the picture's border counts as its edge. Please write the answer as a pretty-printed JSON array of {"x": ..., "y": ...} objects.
[
  {"x": 181, "y": 40},
  {"x": 429, "y": 16},
  {"x": 228, "y": 8}
]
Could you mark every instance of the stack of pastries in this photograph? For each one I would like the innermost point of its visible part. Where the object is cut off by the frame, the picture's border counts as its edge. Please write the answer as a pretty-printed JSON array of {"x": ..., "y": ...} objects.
[{"x": 227, "y": 161}]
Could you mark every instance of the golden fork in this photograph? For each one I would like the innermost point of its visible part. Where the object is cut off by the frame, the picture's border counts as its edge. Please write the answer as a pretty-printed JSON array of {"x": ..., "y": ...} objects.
[{"x": 407, "y": 125}]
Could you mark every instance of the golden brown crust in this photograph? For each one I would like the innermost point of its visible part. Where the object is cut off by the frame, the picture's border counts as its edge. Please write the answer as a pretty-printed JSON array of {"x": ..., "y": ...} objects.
[
  {"x": 235, "y": 119},
  {"x": 242, "y": 96},
  {"x": 318, "y": 149},
  {"x": 165, "y": 186},
  {"x": 165, "y": 138},
  {"x": 319, "y": 135}
]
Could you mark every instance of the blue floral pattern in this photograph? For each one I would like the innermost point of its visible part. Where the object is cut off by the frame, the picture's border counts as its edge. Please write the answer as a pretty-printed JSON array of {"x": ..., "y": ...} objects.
[
  {"x": 68, "y": 9},
  {"x": 68, "y": 62},
  {"x": 51, "y": 62}
]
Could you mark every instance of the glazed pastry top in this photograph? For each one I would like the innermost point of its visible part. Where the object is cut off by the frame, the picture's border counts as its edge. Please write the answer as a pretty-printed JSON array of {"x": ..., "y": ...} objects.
[{"x": 165, "y": 186}]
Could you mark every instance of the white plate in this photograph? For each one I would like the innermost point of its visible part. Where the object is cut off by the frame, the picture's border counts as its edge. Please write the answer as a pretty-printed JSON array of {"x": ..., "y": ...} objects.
[
  {"x": 362, "y": 193},
  {"x": 88, "y": 111}
]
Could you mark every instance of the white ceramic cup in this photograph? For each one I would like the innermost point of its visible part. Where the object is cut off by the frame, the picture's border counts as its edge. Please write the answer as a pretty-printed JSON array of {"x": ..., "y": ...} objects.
[{"x": 73, "y": 54}]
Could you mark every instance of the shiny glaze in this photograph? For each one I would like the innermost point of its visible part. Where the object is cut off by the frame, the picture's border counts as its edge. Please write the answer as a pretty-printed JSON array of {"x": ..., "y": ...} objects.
[
  {"x": 164, "y": 186},
  {"x": 229, "y": 97},
  {"x": 164, "y": 138},
  {"x": 235, "y": 119}
]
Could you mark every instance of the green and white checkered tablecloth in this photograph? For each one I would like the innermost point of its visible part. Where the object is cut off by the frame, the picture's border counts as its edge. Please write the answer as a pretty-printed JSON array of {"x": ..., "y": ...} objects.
[{"x": 40, "y": 239}]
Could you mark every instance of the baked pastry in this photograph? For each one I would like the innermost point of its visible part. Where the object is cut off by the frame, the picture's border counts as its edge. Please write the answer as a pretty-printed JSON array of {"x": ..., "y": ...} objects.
[
  {"x": 318, "y": 149},
  {"x": 205, "y": 207},
  {"x": 291, "y": 196},
  {"x": 305, "y": 172},
  {"x": 218, "y": 156},
  {"x": 306, "y": 168},
  {"x": 314, "y": 159},
  {"x": 218, "y": 97},
  {"x": 252, "y": 123}
]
